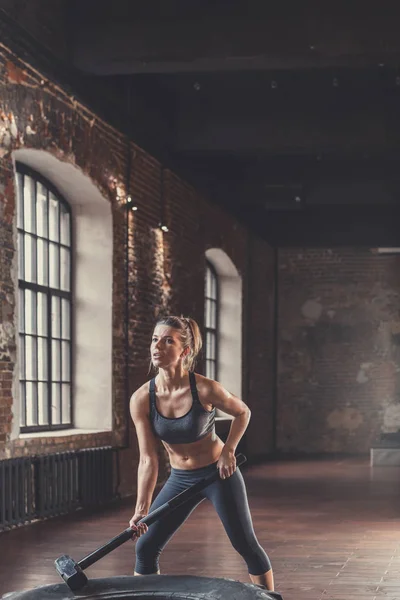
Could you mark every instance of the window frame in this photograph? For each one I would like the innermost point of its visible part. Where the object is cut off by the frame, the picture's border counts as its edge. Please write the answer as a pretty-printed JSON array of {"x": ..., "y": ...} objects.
[
  {"x": 50, "y": 292},
  {"x": 215, "y": 331}
]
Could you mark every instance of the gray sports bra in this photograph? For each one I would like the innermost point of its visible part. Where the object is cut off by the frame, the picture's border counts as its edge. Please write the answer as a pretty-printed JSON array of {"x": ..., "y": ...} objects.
[{"x": 194, "y": 425}]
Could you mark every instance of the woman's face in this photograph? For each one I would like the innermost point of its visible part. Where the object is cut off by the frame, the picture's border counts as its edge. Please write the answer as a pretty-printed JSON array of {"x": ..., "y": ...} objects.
[{"x": 166, "y": 347}]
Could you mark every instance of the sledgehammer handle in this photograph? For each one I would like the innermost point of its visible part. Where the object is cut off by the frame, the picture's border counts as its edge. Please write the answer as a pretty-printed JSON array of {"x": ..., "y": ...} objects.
[{"x": 164, "y": 509}]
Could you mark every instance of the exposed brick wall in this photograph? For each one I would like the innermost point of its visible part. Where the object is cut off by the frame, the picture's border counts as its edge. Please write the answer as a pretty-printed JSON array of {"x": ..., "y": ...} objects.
[
  {"x": 43, "y": 117},
  {"x": 166, "y": 270},
  {"x": 339, "y": 351},
  {"x": 7, "y": 343}
]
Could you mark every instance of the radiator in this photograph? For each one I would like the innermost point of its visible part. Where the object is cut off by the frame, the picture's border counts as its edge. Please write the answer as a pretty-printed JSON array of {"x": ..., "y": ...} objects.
[
  {"x": 96, "y": 473},
  {"x": 48, "y": 485},
  {"x": 56, "y": 484},
  {"x": 16, "y": 492}
]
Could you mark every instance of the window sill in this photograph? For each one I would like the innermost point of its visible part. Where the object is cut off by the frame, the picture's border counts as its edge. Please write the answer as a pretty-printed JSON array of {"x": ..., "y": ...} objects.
[{"x": 61, "y": 433}]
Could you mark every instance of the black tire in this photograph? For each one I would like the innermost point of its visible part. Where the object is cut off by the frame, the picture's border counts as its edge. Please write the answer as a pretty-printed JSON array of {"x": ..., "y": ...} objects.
[{"x": 151, "y": 587}]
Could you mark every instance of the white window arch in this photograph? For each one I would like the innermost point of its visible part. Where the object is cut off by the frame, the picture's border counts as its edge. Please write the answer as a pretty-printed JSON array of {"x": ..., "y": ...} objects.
[
  {"x": 91, "y": 331},
  {"x": 229, "y": 329}
]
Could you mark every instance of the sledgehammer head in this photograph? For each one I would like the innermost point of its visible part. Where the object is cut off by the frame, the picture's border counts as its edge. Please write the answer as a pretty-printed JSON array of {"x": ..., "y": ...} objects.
[{"x": 71, "y": 572}]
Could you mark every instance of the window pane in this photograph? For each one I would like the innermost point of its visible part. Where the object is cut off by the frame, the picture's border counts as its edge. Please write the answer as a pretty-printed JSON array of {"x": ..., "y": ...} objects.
[
  {"x": 43, "y": 404},
  {"x": 66, "y": 333},
  {"x": 55, "y": 317},
  {"x": 29, "y": 258},
  {"x": 65, "y": 361},
  {"x": 55, "y": 360},
  {"x": 56, "y": 403},
  {"x": 208, "y": 313},
  {"x": 54, "y": 266},
  {"x": 65, "y": 226},
  {"x": 65, "y": 270},
  {"x": 29, "y": 205},
  {"x": 66, "y": 403},
  {"x": 210, "y": 345},
  {"x": 21, "y": 357},
  {"x": 31, "y": 404},
  {"x": 54, "y": 218},
  {"x": 31, "y": 357},
  {"x": 22, "y": 395},
  {"x": 42, "y": 262},
  {"x": 41, "y": 210},
  {"x": 28, "y": 357},
  {"x": 213, "y": 286},
  {"x": 213, "y": 314},
  {"x": 30, "y": 311},
  {"x": 42, "y": 314},
  {"x": 34, "y": 260},
  {"x": 208, "y": 282},
  {"x": 21, "y": 310},
  {"x": 21, "y": 256},
  {"x": 210, "y": 369},
  {"x": 19, "y": 185},
  {"x": 42, "y": 359}
]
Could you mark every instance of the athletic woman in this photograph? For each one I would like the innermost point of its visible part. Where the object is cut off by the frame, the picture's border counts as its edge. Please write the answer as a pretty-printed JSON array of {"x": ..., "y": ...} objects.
[{"x": 178, "y": 407}]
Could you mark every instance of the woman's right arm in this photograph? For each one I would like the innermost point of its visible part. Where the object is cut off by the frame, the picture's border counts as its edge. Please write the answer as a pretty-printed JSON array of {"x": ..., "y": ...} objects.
[{"x": 148, "y": 456}]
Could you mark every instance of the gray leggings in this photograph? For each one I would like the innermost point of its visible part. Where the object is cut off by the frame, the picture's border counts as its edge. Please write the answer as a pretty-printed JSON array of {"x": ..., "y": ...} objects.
[{"x": 230, "y": 501}]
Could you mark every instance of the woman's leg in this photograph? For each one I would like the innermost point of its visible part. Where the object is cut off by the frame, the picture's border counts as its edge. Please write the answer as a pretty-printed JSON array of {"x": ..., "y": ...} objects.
[
  {"x": 150, "y": 545},
  {"x": 229, "y": 498}
]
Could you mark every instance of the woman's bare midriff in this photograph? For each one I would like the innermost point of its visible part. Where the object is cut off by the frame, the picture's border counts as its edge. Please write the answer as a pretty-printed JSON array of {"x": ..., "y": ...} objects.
[{"x": 196, "y": 455}]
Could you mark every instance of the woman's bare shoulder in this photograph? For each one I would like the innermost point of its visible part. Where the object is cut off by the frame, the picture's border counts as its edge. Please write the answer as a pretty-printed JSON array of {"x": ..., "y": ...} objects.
[
  {"x": 205, "y": 385},
  {"x": 140, "y": 398},
  {"x": 201, "y": 379}
]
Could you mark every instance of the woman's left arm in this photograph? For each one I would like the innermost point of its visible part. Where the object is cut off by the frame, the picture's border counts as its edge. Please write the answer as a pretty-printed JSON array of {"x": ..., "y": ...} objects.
[{"x": 232, "y": 405}]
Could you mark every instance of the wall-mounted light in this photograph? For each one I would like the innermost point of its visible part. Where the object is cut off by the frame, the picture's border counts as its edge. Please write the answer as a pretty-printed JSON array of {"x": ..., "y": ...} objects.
[
  {"x": 163, "y": 227},
  {"x": 130, "y": 204}
]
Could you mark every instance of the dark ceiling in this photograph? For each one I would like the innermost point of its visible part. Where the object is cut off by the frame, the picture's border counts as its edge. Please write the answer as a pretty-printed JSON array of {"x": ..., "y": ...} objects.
[{"x": 287, "y": 114}]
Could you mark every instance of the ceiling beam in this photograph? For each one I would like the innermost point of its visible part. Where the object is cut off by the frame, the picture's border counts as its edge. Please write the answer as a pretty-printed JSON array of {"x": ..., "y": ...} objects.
[
  {"x": 331, "y": 127},
  {"x": 333, "y": 226},
  {"x": 285, "y": 35}
]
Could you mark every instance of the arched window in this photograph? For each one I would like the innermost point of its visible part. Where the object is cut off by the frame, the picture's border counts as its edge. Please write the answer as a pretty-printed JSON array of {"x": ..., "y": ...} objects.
[
  {"x": 69, "y": 194},
  {"x": 44, "y": 275},
  {"x": 211, "y": 322},
  {"x": 223, "y": 322}
]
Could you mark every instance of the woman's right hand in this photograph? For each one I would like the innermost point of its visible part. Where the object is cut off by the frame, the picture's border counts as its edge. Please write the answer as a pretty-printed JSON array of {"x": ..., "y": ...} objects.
[{"x": 140, "y": 528}]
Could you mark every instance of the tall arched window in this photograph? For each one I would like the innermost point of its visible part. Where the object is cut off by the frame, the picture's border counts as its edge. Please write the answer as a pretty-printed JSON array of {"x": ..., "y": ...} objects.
[
  {"x": 223, "y": 322},
  {"x": 44, "y": 275},
  {"x": 211, "y": 322}
]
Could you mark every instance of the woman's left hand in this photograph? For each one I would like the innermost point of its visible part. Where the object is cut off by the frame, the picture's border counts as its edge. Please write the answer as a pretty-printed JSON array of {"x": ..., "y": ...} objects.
[{"x": 226, "y": 464}]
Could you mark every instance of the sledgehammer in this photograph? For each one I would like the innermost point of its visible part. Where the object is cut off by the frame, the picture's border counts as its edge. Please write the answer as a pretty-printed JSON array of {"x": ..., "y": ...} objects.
[{"x": 73, "y": 572}]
